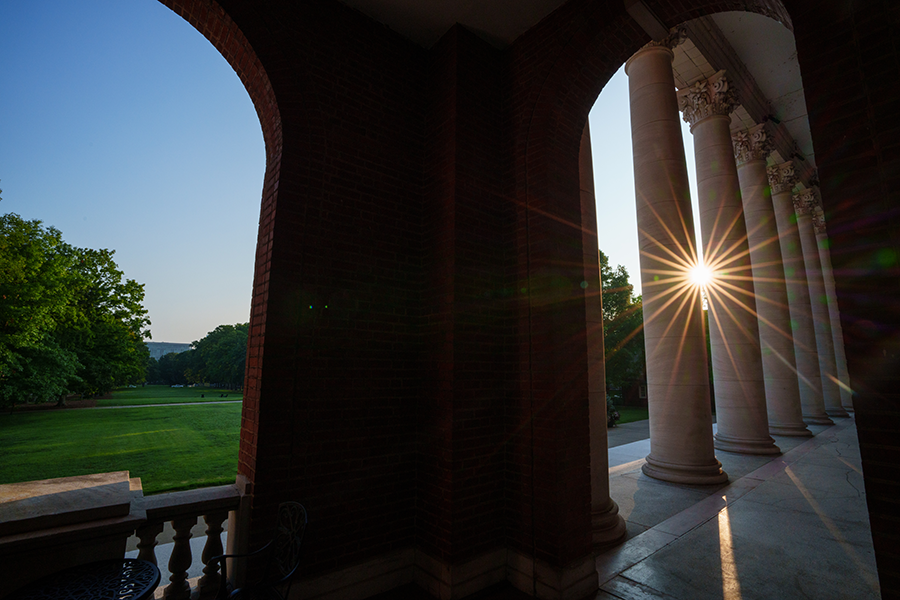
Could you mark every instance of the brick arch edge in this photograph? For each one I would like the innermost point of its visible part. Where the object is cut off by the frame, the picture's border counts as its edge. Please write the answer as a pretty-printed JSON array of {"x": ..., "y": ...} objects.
[{"x": 211, "y": 21}]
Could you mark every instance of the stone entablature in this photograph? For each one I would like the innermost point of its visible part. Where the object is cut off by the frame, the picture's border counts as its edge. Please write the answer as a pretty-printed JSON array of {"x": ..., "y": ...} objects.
[
  {"x": 782, "y": 177},
  {"x": 713, "y": 96},
  {"x": 751, "y": 144}
]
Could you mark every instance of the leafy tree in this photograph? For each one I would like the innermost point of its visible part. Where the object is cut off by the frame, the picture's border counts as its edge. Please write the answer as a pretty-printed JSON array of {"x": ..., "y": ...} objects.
[
  {"x": 153, "y": 374},
  {"x": 36, "y": 292},
  {"x": 623, "y": 330},
  {"x": 106, "y": 330},
  {"x": 223, "y": 355},
  {"x": 173, "y": 366},
  {"x": 68, "y": 321},
  {"x": 218, "y": 358}
]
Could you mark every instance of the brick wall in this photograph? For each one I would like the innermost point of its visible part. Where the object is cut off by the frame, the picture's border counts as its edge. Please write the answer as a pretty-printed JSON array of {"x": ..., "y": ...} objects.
[
  {"x": 849, "y": 54},
  {"x": 430, "y": 199},
  {"x": 468, "y": 304}
]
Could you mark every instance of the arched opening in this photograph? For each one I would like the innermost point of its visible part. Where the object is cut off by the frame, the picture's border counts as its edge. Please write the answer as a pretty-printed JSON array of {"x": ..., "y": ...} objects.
[
  {"x": 151, "y": 150},
  {"x": 128, "y": 132},
  {"x": 782, "y": 107}
]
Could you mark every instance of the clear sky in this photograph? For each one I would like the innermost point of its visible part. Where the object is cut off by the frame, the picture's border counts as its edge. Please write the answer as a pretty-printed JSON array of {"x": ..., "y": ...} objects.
[
  {"x": 614, "y": 177},
  {"x": 124, "y": 128}
]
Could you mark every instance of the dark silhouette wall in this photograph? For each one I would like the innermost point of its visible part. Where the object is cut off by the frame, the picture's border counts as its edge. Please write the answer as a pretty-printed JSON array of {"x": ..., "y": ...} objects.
[{"x": 417, "y": 360}]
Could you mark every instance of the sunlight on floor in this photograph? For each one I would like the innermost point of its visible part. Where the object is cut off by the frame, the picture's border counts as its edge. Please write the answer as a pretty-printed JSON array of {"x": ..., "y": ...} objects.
[{"x": 731, "y": 584}]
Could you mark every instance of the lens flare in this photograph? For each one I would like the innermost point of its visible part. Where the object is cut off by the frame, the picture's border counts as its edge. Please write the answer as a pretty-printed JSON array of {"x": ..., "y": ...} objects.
[{"x": 700, "y": 275}]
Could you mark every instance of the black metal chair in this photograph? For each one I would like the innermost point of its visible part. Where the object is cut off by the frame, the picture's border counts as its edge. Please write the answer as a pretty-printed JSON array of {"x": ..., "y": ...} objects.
[{"x": 273, "y": 565}]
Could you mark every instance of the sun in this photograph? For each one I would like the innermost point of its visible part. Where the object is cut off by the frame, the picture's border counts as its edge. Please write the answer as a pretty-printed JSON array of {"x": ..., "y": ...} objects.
[{"x": 700, "y": 275}]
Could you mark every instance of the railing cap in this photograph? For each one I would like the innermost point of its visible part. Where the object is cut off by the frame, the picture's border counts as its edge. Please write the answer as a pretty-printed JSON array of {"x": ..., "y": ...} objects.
[{"x": 164, "y": 507}]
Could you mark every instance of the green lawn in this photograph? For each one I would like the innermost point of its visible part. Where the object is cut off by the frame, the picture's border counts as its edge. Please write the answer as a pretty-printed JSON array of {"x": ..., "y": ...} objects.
[
  {"x": 629, "y": 414},
  {"x": 168, "y": 447},
  {"x": 163, "y": 394}
]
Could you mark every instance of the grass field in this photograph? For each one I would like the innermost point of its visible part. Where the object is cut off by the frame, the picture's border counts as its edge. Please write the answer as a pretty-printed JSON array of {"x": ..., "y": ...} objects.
[
  {"x": 163, "y": 394},
  {"x": 168, "y": 447},
  {"x": 630, "y": 414}
]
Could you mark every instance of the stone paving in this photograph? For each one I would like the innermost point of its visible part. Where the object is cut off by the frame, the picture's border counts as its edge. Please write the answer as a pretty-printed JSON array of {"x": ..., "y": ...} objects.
[{"x": 787, "y": 527}]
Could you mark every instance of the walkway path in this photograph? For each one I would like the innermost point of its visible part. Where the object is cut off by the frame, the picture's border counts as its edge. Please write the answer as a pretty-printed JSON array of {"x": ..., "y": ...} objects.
[{"x": 165, "y": 404}]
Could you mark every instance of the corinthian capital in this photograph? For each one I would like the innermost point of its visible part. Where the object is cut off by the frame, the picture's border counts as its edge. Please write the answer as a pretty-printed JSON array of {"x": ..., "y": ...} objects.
[
  {"x": 706, "y": 98},
  {"x": 782, "y": 177},
  {"x": 677, "y": 36},
  {"x": 751, "y": 144},
  {"x": 806, "y": 202},
  {"x": 814, "y": 206}
]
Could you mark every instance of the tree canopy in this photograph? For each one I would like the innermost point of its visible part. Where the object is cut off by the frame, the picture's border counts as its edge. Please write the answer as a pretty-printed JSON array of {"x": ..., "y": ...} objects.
[
  {"x": 69, "y": 320},
  {"x": 219, "y": 358},
  {"x": 623, "y": 330}
]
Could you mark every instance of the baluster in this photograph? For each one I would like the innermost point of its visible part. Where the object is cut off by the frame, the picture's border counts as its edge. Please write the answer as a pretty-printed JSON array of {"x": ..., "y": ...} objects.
[
  {"x": 147, "y": 544},
  {"x": 181, "y": 560},
  {"x": 209, "y": 583}
]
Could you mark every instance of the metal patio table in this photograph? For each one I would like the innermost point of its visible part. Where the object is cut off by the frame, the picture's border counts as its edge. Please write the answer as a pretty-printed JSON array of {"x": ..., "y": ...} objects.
[{"x": 115, "y": 579}]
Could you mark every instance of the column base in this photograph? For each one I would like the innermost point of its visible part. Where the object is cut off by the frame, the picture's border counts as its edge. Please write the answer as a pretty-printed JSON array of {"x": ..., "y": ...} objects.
[
  {"x": 745, "y": 446},
  {"x": 607, "y": 527},
  {"x": 790, "y": 430},
  {"x": 710, "y": 474},
  {"x": 837, "y": 412},
  {"x": 817, "y": 420}
]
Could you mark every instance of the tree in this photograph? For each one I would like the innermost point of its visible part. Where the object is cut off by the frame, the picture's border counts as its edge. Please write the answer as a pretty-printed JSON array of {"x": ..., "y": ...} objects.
[
  {"x": 36, "y": 292},
  {"x": 106, "y": 329},
  {"x": 68, "y": 321},
  {"x": 223, "y": 355},
  {"x": 623, "y": 330},
  {"x": 218, "y": 358}
]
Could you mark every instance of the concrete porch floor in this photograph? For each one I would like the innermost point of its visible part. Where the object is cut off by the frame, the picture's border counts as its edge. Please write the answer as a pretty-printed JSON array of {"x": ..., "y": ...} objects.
[{"x": 787, "y": 527}]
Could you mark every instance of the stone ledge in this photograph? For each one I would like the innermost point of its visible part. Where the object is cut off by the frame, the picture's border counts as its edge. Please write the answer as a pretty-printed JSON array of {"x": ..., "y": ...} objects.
[{"x": 49, "y": 503}]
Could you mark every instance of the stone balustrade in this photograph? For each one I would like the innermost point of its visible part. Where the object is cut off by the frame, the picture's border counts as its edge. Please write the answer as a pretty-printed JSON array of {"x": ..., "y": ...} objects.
[{"x": 182, "y": 510}]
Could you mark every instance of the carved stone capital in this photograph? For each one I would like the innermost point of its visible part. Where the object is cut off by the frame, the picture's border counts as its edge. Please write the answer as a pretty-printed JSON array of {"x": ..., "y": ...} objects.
[
  {"x": 814, "y": 206},
  {"x": 751, "y": 144},
  {"x": 782, "y": 178},
  {"x": 806, "y": 202},
  {"x": 715, "y": 96},
  {"x": 677, "y": 36}
]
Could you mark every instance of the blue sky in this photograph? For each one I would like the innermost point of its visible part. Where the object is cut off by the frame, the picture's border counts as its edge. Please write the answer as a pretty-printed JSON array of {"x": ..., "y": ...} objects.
[
  {"x": 124, "y": 128},
  {"x": 614, "y": 176}
]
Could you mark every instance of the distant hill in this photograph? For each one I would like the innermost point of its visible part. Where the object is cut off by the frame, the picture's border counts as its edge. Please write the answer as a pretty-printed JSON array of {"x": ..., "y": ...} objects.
[{"x": 160, "y": 349}]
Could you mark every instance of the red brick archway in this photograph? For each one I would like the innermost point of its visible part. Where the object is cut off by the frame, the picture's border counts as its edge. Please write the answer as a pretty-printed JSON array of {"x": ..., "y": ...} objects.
[
  {"x": 430, "y": 198},
  {"x": 216, "y": 25}
]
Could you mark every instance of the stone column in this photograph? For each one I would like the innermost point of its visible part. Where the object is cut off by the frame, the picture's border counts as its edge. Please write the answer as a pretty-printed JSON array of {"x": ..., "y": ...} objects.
[
  {"x": 741, "y": 416},
  {"x": 751, "y": 147},
  {"x": 607, "y": 525},
  {"x": 681, "y": 443},
  {"x": 837, "y": 333},
  {"x": 782, "y": 179},
  {"x": 805, "y": 205}
]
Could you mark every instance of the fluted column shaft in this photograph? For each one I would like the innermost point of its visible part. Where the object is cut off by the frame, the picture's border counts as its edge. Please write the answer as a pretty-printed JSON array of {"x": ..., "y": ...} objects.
[
  {"x": 837, "y": 333},
  {"x": 782, "y": 179},
  {"x": 681, "y": 443},
  {"x": 741, "y": 416},
  {"x": 804, "y": 205},
  {"x": 776, "y": 341},
  {"x": 607, "y": 526}
]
